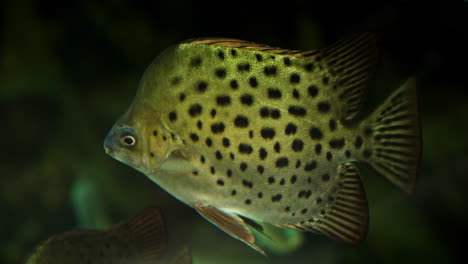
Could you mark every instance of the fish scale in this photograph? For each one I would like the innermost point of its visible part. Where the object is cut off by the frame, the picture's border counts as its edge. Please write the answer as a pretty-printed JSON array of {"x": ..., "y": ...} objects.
[{"x": 240, "y": 130}]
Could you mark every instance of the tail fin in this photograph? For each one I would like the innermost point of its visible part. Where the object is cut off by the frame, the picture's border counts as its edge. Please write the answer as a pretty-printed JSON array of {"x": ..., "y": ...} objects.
[{"x": 396, "y": 137}]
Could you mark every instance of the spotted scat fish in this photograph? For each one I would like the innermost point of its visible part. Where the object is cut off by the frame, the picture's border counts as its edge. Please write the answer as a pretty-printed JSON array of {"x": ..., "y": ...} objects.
[
  {"x": 140, "y": 240},
  {"x": 242, "y": 132}
]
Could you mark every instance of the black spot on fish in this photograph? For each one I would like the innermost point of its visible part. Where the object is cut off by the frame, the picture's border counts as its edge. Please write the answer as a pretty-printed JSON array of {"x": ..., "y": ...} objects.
[
  {"x": 217, "y": 128},
  {"x": 250, "y": 134},
  {"x": 176, "y": 80},
  {"x": 223, "y": 100},
  {"x": 348, "y": 154},
  {"x": 195, "y": 62},
  {"x": 293, "y": 179},
  {"x": 276, "y": 198},
  {"x": 282, "y": 182},
  {"x": 287, "y": 61},
  {"x": 220, "y": 182},
  {"x": 326, "y": 177},
  {"x": 202, "y": 86},
  {"x": 367, "y": 153},
  {"x": 155, "y": 133},
  {"x": 296, "y": 94},
  {"x": 182, "y": 97},
  {"x": 318, "y": 148},
  {"x": 233, "y": 192},
  {"x": 172, "y": 116},
  {"x": 208, "y": 142},
  {"x": 195, "y": 110},
  {"x": 260, "y": 195},
  {"x": 194, "y": 173},
  {"x": 226, "y": 142},
  {"x": 264, "y": 112},
  {"x": 212, "y": 170},
  {"x": 323, "y": 107},
  {"x": 260, "y": 169},
  {"x": 218, "y": 155},
  {"x": 194, "y": 137},
  {"x": 245, "y": 148},
  {"x": 213, "y": 112},
  {"x": 287, "y": 208},
  {"x": 315, "y": 133},
  {"x": 303, "y": 211},
  {"x": 258, "y": 57},
  {"x": 221, "y": 55},
  {"x": 282, "y": 162},
  {"x": 220, "y": 73},
  {"x": 325, "y": 80},
  {"x": 312, "y": 90},
  {"x": 199, "y": 124},
  {"x": 262, "y": 153},
  {"x": 297, "y": 145},
  {"x": 329, "y": 156},
  {"x": 274, "y": 93},
  {"x": 233, "y": 53},
  {"x": 271, "y": 180},
  {"x": 243, "y": 166},
  {"x": 337, "y": 143},
  {"x": 304, "y": 194},
  {"x": 229, "y": 173},
  {"x": 152, "y": 154},
  {"x": 358, "y": 142},
  {"x": 253, "y": 82},
  {"x": 310, "y": 166},
  {"x": 241, "y": 121},
  {"x": 234, "y": 85},
  {"x": 247, "y": 184},
  {"x": 319, "y": 200},
  {"x": 270, "y": 70},
  {"x": 295, "y": 78},
  {"x": 277, "y": 147},
  {"x": 297, "y": 110},
  {"x": 243, "y": 67},
  {"x": 248, "y": 202},
  {"x": 290, "y": 129},
  {"x": 267, "y": 133},
  {"x": 298, "y": 164},
  {"x": 309, "y": 67},
  {"x": 231, "y": 155},
  {"x": 246, "y": 99},
  {"x": 275, "y": 114},
  {"x": 332, "y": 125}
]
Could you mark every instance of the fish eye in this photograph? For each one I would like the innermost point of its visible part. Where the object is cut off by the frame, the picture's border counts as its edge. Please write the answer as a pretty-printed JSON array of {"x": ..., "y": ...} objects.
[{"x": 128, "y": 140}]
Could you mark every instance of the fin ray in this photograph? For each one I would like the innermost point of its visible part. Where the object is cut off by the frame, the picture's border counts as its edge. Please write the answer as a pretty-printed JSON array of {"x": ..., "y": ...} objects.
[{"x": 396, "y": 137}]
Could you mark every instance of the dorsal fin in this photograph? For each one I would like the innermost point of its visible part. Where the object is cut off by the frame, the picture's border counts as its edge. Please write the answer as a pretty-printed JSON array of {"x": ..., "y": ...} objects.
[
  {"x": 346, "y": 218},
  {"x": 147, "y": 232},
  {"x": 350, "y": 62},
  {"x": 247, "y": 45}
]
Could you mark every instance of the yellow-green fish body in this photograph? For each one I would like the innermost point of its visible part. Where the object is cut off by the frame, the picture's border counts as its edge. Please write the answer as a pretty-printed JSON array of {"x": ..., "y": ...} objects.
[
  {"x": 244, "y": 131},
  {"x": 139, "y": 240}
]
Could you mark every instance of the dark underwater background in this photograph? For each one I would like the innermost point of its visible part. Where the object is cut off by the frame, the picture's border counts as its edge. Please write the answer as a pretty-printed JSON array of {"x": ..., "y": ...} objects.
[{"x": 69, "y": 69}]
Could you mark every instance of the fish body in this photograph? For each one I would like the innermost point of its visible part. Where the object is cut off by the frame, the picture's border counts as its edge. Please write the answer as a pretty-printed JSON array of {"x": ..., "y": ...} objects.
[
  {"x": 240, "y": 131},
  {"x": 140, "y": 240}
]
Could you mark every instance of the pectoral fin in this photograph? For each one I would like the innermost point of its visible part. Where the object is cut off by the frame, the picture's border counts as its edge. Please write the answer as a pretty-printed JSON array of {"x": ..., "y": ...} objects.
[{"x": 231, "y": 224}]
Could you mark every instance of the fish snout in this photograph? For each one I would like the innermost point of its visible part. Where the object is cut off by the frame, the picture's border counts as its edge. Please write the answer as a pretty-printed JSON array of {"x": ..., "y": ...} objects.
[{"x": 109, "y": 143}]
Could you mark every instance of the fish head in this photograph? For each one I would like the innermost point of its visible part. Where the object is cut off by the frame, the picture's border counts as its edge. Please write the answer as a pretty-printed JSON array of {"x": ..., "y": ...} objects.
[{"x": 139, "y": 139}]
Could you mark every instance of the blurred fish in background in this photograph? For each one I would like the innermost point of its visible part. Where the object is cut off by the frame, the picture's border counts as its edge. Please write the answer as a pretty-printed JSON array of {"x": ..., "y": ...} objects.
[{"x": 141, "y": 239}]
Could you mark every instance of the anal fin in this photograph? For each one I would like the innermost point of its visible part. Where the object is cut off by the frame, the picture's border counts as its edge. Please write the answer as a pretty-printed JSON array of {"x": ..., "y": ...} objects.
[
  {"x": 230, "y": 223},
  {"x": 346, "y": 218}
]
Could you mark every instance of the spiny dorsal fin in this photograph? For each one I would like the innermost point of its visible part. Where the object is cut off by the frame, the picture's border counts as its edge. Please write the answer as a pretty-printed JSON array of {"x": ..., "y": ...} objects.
[
  {"x": 346, "y": 218},
  {"x": 147, "y": 232},
  {"x": 350, "y": 62},
  {"x": 231, "y": 224},
  {"x": 247, "y": 45}
]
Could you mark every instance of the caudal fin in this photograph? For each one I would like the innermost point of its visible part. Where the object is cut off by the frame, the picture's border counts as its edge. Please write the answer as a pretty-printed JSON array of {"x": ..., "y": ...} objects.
[{"x": 395, "y": 136}]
